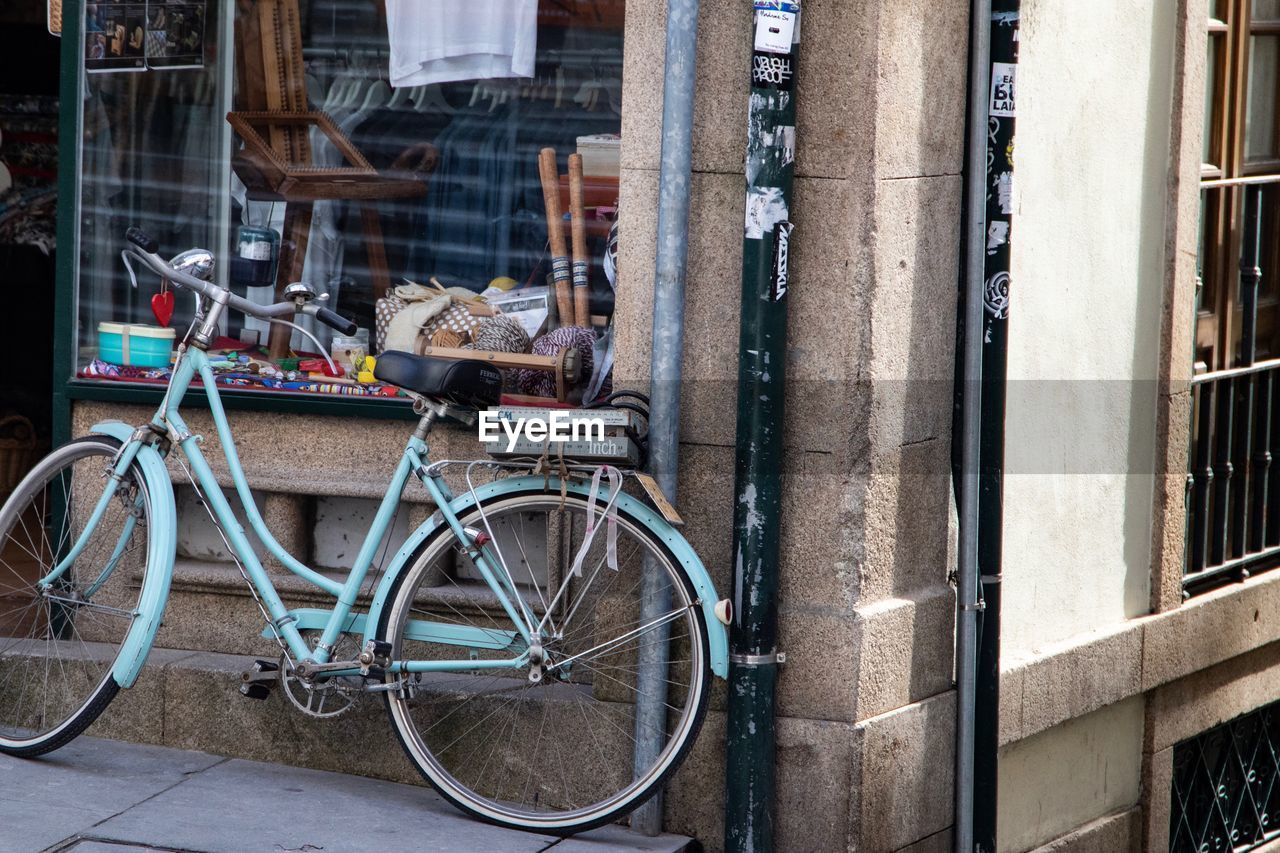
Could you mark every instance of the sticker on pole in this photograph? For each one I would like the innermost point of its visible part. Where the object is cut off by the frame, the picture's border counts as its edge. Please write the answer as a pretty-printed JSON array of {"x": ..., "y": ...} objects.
[
  {"x": 1003, "y": 77},
  {"x": 781, "y": 260},
  {"x": 776, "y": 26}
]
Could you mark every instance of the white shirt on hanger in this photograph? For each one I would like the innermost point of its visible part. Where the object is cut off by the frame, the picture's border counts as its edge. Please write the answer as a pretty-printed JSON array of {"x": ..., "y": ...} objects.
[{"x": 446, "y": 40}]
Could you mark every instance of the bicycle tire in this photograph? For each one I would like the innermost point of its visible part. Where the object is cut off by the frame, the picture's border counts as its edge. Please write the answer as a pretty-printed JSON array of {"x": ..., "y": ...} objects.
[
  {"x": 482, "y": 804},
  {"x": 76, "y": 630}
]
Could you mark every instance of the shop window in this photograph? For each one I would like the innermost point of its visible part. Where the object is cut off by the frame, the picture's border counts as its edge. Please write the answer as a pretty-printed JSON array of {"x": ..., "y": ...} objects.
[{"x": 400, "y": 175}]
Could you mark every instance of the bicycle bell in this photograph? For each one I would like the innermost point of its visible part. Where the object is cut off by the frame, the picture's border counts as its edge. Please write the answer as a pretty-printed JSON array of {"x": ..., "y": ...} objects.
[
  {"x": 197, "y": 263},
  {"x": 300, "y": 291}
]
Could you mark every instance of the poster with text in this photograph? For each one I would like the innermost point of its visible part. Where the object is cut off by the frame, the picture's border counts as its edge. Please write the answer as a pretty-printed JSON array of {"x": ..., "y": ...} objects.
[
  {"x": 114, "y": 37},
  {"x": 175, "y": 34}
]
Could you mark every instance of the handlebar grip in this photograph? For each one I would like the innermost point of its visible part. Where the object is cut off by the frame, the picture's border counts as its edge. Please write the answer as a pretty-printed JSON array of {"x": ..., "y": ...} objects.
[
  {"x": 336, "y": 321},
  {"x": 142, "y": 240}
]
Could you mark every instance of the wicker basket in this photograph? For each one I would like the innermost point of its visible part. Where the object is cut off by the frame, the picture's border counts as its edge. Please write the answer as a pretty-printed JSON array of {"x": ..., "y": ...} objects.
[{"x": 19, "y": 451}]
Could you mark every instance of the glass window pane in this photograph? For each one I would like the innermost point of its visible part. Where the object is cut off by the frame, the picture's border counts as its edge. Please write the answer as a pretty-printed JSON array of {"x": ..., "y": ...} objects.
[
  {"x": 1260, "y": 117},
  {"x": 1210, "y": 154},
  {"x": 378, "y": 169},
  {"x": 1266, "y": 10},
  {"x": 153, "y": 140}
]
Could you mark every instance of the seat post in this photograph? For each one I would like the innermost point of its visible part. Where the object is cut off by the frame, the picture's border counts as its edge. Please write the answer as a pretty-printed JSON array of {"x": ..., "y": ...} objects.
[
  {"x": 425, "y": 424},
  {"x": 430, "y": 410}
]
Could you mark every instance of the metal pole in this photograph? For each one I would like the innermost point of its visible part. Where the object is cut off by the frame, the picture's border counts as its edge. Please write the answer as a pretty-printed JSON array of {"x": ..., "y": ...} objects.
[
  {"x": 995, "y": 343},
  {"x": 967, "y": 597},
  {"x": 754, "y": 658},
  {"x": 665, "y": 367}
]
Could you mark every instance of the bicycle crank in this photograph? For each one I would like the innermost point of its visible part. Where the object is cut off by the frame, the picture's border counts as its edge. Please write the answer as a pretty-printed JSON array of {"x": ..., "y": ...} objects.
[{"x": 316, "y": 694}]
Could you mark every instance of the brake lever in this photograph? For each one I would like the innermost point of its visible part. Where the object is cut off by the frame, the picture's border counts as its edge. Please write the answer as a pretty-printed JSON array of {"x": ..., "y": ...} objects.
[
  {"x": 314, "y": 340},
  {"x": 128, "y": 265}
]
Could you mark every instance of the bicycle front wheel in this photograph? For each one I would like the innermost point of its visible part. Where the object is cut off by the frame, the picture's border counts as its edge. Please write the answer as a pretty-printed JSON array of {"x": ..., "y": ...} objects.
[
  {"x": 59, "y": 641},
  {"x": 617, "y": 702}
]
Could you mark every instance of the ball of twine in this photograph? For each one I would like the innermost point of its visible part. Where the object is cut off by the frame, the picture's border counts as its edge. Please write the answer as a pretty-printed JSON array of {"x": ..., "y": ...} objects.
[
  {"x": 542, "y": 383},
  {"x": 499, "y": 334},
  {"x": 447, "y": 338}
]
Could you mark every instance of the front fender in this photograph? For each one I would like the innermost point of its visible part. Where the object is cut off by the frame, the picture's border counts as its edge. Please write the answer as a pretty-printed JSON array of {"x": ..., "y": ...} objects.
[
  {"x": 162, "y": 541},
  {"x": 642, "y": 512}
]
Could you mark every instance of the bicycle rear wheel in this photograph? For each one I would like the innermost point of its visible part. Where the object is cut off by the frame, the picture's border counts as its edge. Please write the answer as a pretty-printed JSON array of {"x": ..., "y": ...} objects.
[
  {"x": 558, "y": 754},
  {"x": 58, "y": 644}
]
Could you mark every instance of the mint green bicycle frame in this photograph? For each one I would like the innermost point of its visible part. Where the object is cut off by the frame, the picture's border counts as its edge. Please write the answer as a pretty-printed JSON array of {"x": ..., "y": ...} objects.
[{"x": 288, "y": 624}]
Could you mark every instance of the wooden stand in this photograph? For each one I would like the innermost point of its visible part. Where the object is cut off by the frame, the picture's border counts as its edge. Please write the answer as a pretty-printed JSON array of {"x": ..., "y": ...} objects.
[{"x": 275, "y": 163}]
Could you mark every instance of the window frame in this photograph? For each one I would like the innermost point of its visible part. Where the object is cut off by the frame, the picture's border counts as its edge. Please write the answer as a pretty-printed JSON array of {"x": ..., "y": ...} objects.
[
  {"x": 67, "y": 389},
  {"x": 1219, "y": 313}
]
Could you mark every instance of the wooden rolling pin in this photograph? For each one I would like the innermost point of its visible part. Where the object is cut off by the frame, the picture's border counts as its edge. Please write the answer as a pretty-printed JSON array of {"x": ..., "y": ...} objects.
[
  {"x": 581, "y": 261},
  {"x": 555, "y": 235}
]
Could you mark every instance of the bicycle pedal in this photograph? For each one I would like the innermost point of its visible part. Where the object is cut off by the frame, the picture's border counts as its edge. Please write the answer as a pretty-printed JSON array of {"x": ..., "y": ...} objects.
[
  {"x": 256, "y": 690},
  {"x": 264, "y": 671}
]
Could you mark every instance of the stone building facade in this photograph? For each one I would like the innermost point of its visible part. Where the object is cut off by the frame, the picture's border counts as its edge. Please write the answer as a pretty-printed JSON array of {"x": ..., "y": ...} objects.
[{"x": 1106, "y": 667}]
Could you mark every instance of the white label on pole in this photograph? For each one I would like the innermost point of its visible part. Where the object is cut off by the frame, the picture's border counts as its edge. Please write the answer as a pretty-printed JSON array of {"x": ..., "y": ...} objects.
[
  {"x": 1002, "y": 88},
  {"x": 774, "y": 30}
]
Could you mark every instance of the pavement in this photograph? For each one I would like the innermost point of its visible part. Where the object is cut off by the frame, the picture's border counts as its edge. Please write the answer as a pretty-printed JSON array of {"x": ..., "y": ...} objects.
[{"x": 105, "y": 796}]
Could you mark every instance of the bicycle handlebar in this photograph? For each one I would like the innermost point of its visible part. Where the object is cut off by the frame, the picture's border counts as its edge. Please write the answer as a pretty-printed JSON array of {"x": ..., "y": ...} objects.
[
  {"x": 146, "y": 252},
  {"x": 139, "y": 238},
  {"x": 333, "y": 320}
]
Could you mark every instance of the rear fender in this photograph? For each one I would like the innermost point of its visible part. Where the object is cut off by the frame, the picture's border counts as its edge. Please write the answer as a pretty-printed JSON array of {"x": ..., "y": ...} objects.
[
  {"x": 161, "y": 547},
  {"x": 684, "y": 554}
]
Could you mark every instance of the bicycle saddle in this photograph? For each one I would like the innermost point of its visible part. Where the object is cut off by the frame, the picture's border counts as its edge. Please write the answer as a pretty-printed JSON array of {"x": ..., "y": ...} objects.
[{"x": 471, "y": 384}]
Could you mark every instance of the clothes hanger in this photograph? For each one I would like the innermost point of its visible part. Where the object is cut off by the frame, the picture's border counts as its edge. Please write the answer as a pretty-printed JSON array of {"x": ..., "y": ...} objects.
[
  {"x": 358, "y": 93},
  {"x": 377, "y": 95},
  {"x": 339, "y": 90},
  {"x": 315, "y": 92},
  {"x": 399, "y": 98},
  {"x": 432, "y": 100}
]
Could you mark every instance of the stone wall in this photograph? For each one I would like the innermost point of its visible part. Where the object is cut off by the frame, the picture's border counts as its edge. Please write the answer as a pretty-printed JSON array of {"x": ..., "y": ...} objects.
[
  {"x": 866, "y": 613},
  {"x": 866, "y": 712}
]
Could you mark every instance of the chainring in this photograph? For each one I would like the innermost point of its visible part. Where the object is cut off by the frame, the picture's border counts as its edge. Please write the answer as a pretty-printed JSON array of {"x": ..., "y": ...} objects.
[{"x": 323, "y": 698}]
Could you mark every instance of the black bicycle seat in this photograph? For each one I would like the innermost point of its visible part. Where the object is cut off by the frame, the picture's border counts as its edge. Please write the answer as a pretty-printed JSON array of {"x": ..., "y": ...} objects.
[{"x": 472, "y": 384}]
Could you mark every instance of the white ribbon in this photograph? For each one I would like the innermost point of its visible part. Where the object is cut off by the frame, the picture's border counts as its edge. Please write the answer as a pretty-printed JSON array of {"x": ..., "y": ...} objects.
[{"x": 609, "y": 515}]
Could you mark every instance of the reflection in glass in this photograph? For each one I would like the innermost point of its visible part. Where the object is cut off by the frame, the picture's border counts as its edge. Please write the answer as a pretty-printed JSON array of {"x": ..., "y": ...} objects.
[
  {"x": 153, "y": 142},
  {"x": 1260, "y": 117},
  {"x": 374, "y": 144},
  {"x": 1266, "y": 10},
  {"x": 1209, "y": 155}
]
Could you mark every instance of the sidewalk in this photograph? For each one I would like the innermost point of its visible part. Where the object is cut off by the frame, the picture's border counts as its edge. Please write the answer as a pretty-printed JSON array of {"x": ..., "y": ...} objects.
[{"x": 104, "y": 796}]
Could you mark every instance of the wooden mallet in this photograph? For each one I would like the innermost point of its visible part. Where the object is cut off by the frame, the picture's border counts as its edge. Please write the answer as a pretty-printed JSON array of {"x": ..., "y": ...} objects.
[
  {"x": 581, "y": 260},
  {"x": 555, "y": 234}
]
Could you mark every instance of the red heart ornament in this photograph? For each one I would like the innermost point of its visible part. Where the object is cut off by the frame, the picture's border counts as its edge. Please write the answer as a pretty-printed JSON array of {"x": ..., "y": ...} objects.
[{"x": 162, "y": 307}]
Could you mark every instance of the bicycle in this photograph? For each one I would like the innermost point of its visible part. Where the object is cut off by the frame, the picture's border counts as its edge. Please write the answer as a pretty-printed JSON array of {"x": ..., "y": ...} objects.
[{"x": 555, "y": 695}]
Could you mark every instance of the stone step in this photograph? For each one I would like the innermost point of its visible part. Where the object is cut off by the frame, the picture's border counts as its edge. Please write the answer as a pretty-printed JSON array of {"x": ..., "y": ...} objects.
[{"x": 211, "y": 608}]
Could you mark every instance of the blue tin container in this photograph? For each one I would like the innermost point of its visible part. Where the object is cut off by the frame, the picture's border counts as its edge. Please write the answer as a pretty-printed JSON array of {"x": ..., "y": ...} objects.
[{"x": 135, "y": 344}]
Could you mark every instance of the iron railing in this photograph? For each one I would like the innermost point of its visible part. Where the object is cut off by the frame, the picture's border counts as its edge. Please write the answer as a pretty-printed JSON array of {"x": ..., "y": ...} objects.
[
  {"x": 1233, "y": 489},
  {"x": 1225, "y": 794}
]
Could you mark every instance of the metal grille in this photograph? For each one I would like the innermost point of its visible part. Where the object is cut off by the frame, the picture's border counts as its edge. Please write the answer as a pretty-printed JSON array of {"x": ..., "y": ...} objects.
[
  {"x": 1226, "y": 795},
  {"x": 1233, "y": 488}
]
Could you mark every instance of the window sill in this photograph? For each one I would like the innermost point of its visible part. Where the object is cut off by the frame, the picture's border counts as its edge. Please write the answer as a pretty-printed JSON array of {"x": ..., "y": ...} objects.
[{"x": 246, "y": 400}]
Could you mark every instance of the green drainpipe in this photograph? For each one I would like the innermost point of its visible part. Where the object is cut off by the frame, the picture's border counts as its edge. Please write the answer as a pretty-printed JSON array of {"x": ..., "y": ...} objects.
[
  {"x": 995, "y": 359},
  {"x": 754, "y": 658}
]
